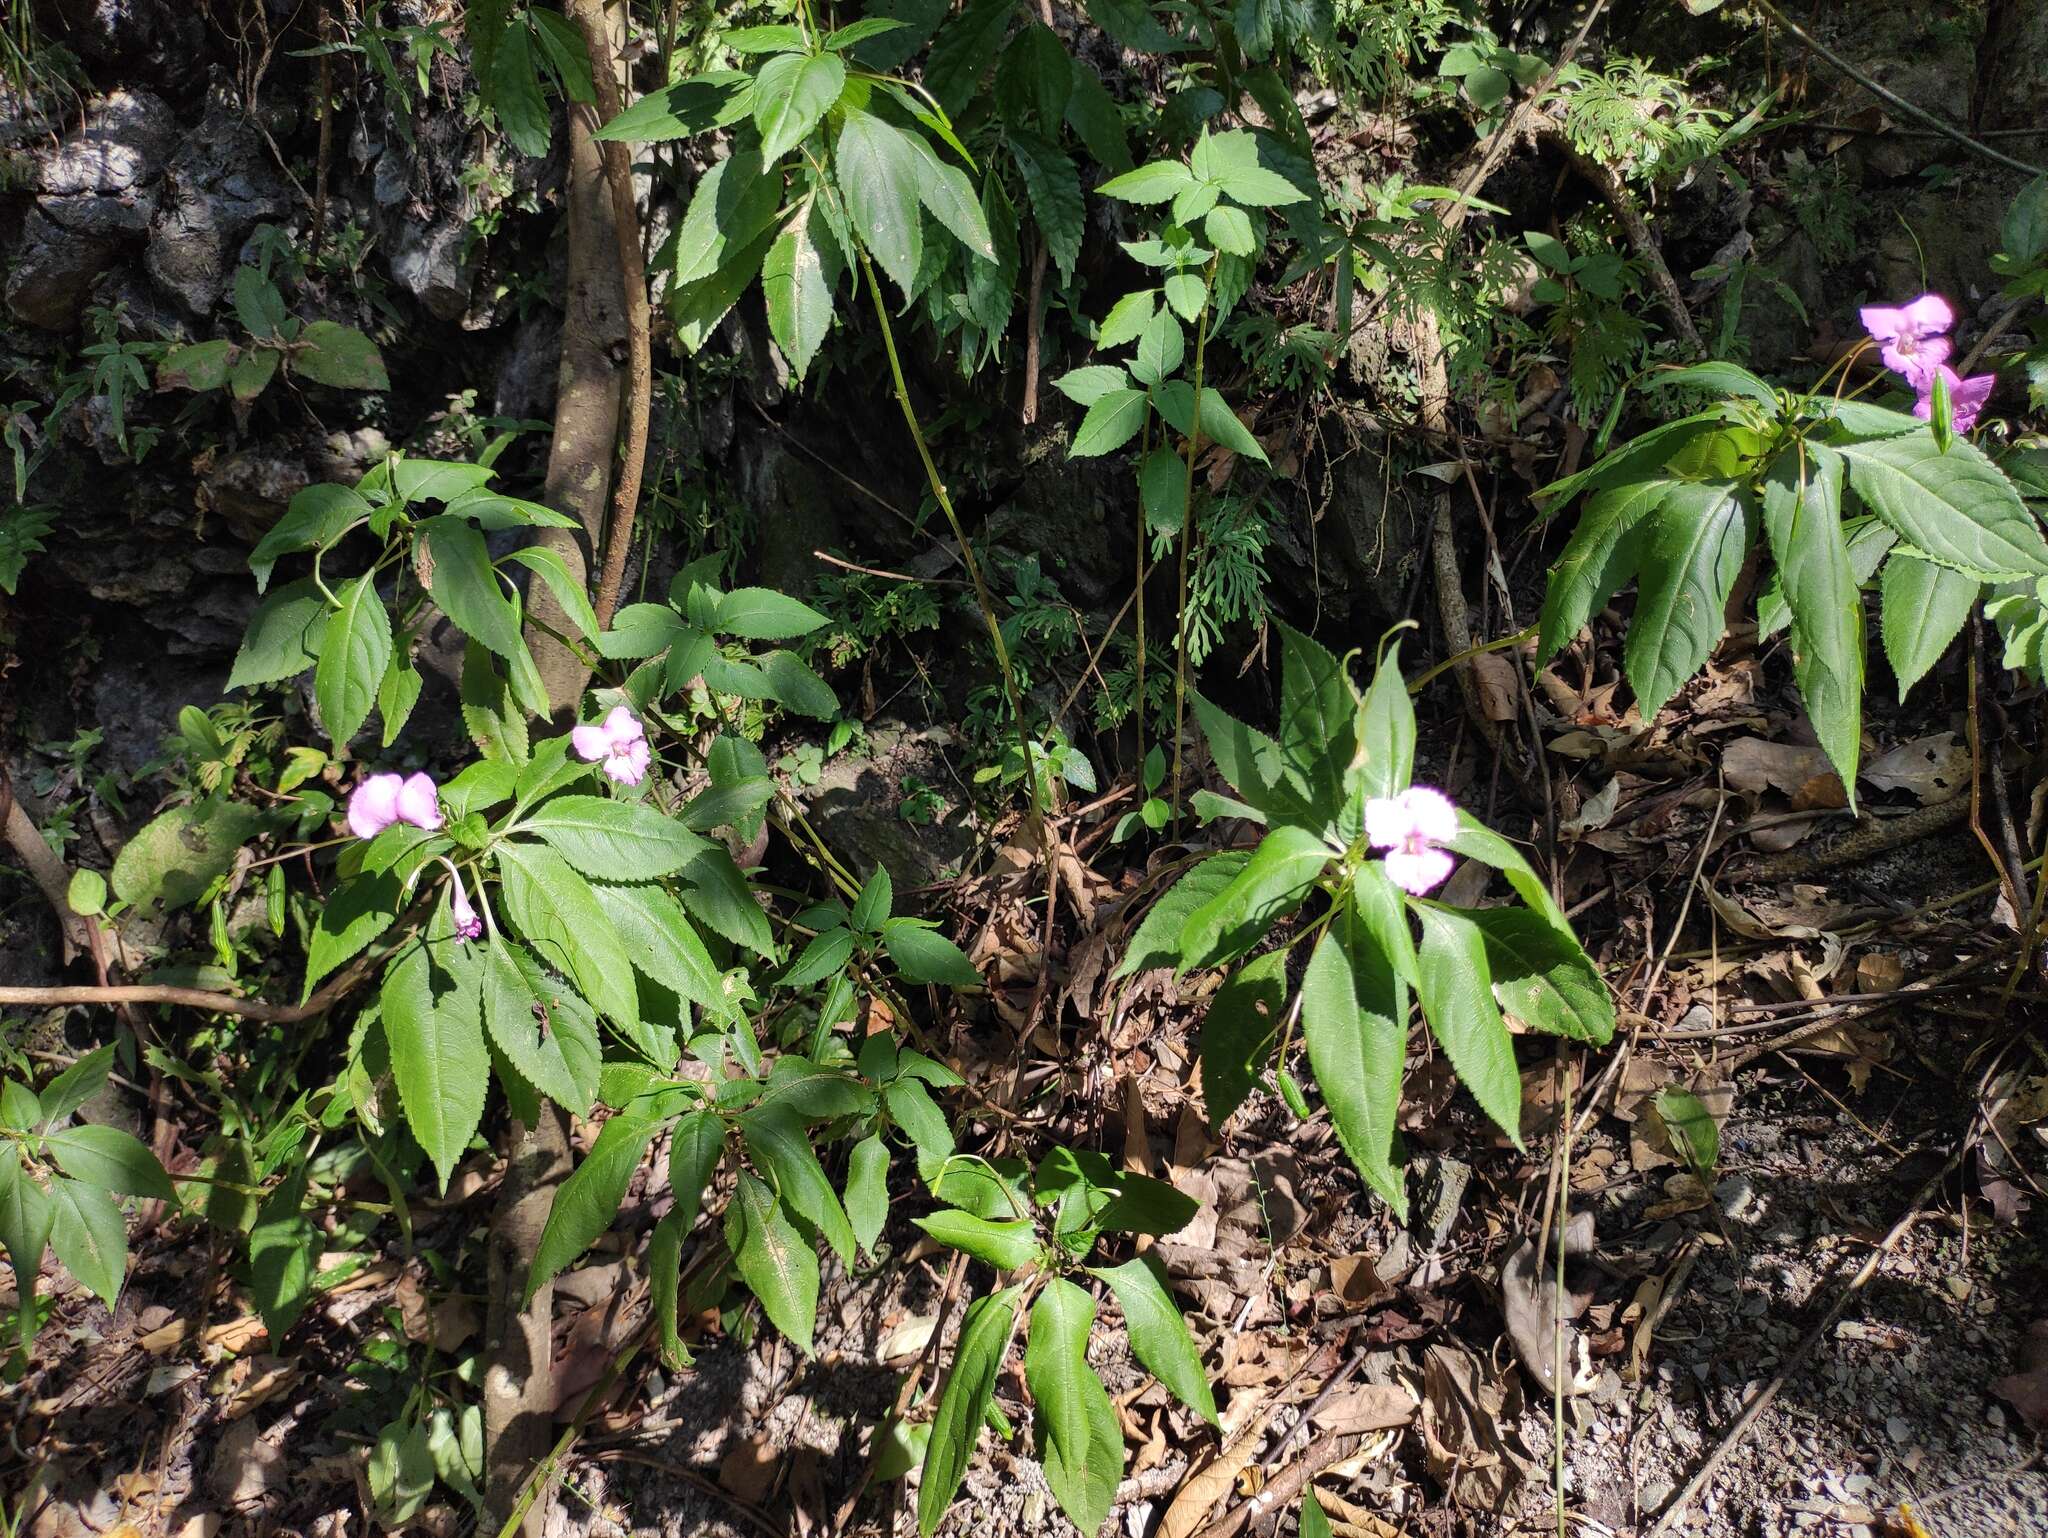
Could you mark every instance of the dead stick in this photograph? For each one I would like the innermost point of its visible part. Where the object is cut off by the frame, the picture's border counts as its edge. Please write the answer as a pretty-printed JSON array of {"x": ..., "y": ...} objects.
[
  {"x": 1871, "y": 837},
  {"x": 1761, "y": 1400},
  {"x": 193, "y": 998},
  {"x": 618, "y": 174},
  {"x": 1283, "y": 1487}
]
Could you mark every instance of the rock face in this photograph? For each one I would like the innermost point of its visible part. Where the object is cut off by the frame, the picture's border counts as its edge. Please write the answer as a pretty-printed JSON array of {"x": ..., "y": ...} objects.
[
  {"x": 52, "y": 273},
  {"x": 219, "y": 185},
  {"x": 123, "y": 143}
]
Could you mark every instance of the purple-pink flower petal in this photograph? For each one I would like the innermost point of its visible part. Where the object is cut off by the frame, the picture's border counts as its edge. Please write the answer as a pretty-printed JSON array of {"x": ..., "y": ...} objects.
[
  {"x": 374, "y": 805},
  {"x": 467, "y": 923},
  {"x": 1418, "y": 871},
  {"x": 589, "y": 741},
  {"x": 1409, "y": 827},
  {"x": 419, "y": 802},
  {"x": 1966, "y": 397}
]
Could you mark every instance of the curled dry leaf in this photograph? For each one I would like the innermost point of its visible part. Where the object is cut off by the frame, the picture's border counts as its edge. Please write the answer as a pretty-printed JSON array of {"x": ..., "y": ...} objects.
[
  {"x": 1531, "y": 1311},
  {"x": 1934, "y": 768}
]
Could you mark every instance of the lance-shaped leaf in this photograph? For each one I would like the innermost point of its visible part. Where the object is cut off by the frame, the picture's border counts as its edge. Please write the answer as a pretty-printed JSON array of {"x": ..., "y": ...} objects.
[
  {"x": 1692, "y": 551},
  {"x": 775, "y": 1261},
  {"x": 1802, "y": 516},
  {"x": 1080, "y": 1441},
  {"x": 963, "y": 1405},
  {"x": 1457, "y": 1000},
  {"x": 1354, "y": 1020}
]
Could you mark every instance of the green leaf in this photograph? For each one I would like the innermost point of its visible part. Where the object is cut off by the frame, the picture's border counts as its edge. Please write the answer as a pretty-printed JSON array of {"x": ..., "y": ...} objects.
[
  {"x": 282, "y": 636},
  {"x": 549, "y": 1039},
  {"x": 1147, "y": 1206},
  {"x": 355, "y": 916},
  {"x": 315, "y": 518},
  {"x": 950, "y": 196},
  {"x": 589, "y": 1199},
  {"x": 284, "y": 1253},
  {"x": 923, "y": 955},
  {"x": 1157, "y": 942},
  {"x": 1054, "y": 188},
  {"x": 26, "y": 1213},
  {"x": 1086, "y": 385},
  {"x": 1008, "y": 1245},
  {"x": 1802, "y": 516},
  {"x": 1127, "y": 318},
  {"x": 1957, "y": 506},
  {"x": 697, "y": 308},
  {"x": 111, "y": 1159},
  {"x": 1080, "y": 1440},
  {"x": 398, "y": 691},
  {"x": 716, "y": 891},
  {"x": 1542, "y": 978},
  {"x": 90, "y": 1237},
  {"x": 495, "y": 722},
  {"x": 964, "y": 1403},
  {"x": 1456, "y": 989},
  {"x": 558, "y": 914},
  {"x": 1239, "y": 1030},
  {"x": 1691, "y": 1128},
  {"x": 437, "y": 1059},
  {"x": 341, "y": 356},
  {"x": 775, "y": 1261},
  {"x": 798, "y": 294},
  {"x": 914, "y": 1110},
  {"x": 716, "y": 99},
  {"x": 1596, "y": 560},
  {"x": 1230, "y": 229},
  {"x": 1692, "y": 552},
  {"x": 1161, "y": 349},
  {"x": 567, "y": 588},
  {"x": 355, "y": 649},
  {"x": 826, "y": 956},
  {"x": 513, "y": 92},
  {"x": 1282, "y": 871},
  {"x": 1111, "y": 422},
  {"x": 1354, "y": 1021},
  {"x": 1251, "y": 762},
  {"x": 867, "y": 1190},
  {"x": 1158, "y": 1335},
  {"x": 1924, "y": 606},
  {"x": 177, "y": 856},
  {"x": 1187, "y": 292},
  {"x": 1313, "y": 1523},
  {"x": 1319, "y": 707},
  {"x": 776, "y": 1138},
  {"x": 963, "y": 51},
  {"x": 879, "y": 174},
  {"x": 842, "y": 38},
  {"x": 459, "y": 575},
  {"x": 1159, "y": 182},
  {"x": 793, "y": 684},
  {"x": 69, "y": 1090},
  {"x": 196, "y": 365},
  {"x": 792, "y": 93},
  {"x": 1093, "y": 115},
  {"x": 614, "y": 840}
]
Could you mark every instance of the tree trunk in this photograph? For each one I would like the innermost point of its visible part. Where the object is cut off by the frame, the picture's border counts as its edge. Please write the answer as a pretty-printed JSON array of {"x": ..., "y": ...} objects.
[
  {"x": 519, "y": 1379},
  {"x": 590, "y": 382}
]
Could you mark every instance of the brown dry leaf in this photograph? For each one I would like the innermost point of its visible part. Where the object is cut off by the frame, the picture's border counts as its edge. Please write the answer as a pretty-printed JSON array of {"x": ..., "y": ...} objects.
[
  {"x": 1349, "y": 1520},
  {"x": 748, "y": 1469},
  {"x": 1467, "y": 1430},
  {"x": 1880, "y": 972},
  {"x": 1934, "y": 768},
  {"x": 1860, "y": 1047},
  {"x": 1531, "y": 1310},
  {"x": 1371, "y": 1407},
  {"x": 413, "y": 1313},
  {"x": 1205, "y": 1486},
  {"x": 1494, "y": 676},
  {"x": 250, "y": 1381},
  {"x": 1354, "y": 1279},
  {"x": 1682, "y": 1194},
  {"x": 1752, "y": 764},
  {"x": 2027, "y": 1390}
]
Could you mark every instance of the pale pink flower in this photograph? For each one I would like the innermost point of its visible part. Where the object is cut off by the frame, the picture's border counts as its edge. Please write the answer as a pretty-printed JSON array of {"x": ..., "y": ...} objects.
[
  {"x": 419, "y": 803},
  {"x": 618, "y": 744},
  {"x": 1966, "y": 397},
  {"x": 1913, "y": 336},
  {"x": 468, "y": 925},
  {"x": 374, "y": 805},
  {"x": 384, "y": 799},
  {"x": 1409, "y": 827}
]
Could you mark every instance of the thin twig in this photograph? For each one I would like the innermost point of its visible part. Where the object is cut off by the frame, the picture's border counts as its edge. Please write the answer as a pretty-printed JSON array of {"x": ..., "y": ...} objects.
[{"x": 196, "y": 998}]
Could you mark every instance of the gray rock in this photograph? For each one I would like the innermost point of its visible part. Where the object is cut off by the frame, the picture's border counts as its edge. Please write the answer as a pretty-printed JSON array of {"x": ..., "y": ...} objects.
[
  {"x": 251, "y": 487},
  {"x": 219, "y": 185},
  {"x": 856, "y": 808},
  {"x": 109, "y": 29},
  {"x": 53, "y": 272},
  {"x": 124, "y": 216},
  {"x": 428, "y": 263},
  {"x": 123, "y": 143}
]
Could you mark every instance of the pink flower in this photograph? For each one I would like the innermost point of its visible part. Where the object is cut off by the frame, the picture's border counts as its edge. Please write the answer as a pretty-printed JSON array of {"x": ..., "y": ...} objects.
[
  {"x": 384, "y": 799},
  {"x": 467, "y": 923},
  {"x": 1966, "y": 397},
  {"x": 618, "y": 744},
  {"x": 1914, "y": 336},
  {"x": 419, "y": 803},
  {"x": 374, "y": 806},
  {"x": 1409, "y": 827}
]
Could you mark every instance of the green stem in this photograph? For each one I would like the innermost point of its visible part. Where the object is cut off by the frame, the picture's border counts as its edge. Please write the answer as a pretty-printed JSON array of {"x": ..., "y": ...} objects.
[
  {"x": 1144, "y": 542},
  {"x": 1187, "y": 538},
  {"x": 968, "y": 558}
]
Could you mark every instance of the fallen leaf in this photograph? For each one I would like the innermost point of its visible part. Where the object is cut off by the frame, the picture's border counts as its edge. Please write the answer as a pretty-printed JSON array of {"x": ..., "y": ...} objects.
[
  {"x": 1753, "y": 764},
  {"x": 1211, "y": 1482},
  {"x": 1371, "y": 1407},
  {"x": 1934, "y": 768},
  {"x": 1353, "y": 1278},
  {"x": 748, "y": 1469},
  {"x": 1467, "y": 1430}
]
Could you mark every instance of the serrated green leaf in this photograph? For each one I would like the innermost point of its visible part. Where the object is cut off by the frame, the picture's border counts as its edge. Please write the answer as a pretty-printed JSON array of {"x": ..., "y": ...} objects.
[
  {"x": 867, "y": 1190},
  {"x": 1158, "y": 1335},
  {"x": 622, "y": 841},
  {"x": 1455, "y": 985},
  {"x": 1956, "y": 506},
  {"x": 90, "y": 1237},
  {"x": 1238, "y": 1032},
  {"x": 879, "y": 171},
  {"x": 549, "y": 1039},
  {"x": 1924, "y": 607},
  {"x": 792, "y": 93},
  {"x": 558, "y": 915},
  {"x": 1080, "y": 1440},
  {"x": 1054, "y": 188},
  {"x": 437, "y": 1059},
  {"x": 923, "y": 955},
  {"x": 1354, "y": 1021},
  {"x": 282, "y": 637},
  {"x": 589, "y": 1199},
  {"x": 1127, "y": 318},
  {"x": 1158, "y": 182},
  {"x": 1281, "y": 873},
  {"x": 1157, "y": 940},
  {"x": 1598, "y": 558},
  {"x": 1111, "y": 422},
  {"x": 775, "y": 1261},
  {"x": 355, "y": 649},
  {"x": 1693, "y": 548},
  {"x": 1542, "y": 978},
  {"x": 111, "y": 1159},
  {"x": 964, "y": 1403},
  {"x": 1802, "y": 517},
  {"x": 1007, "y": 1244}
]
